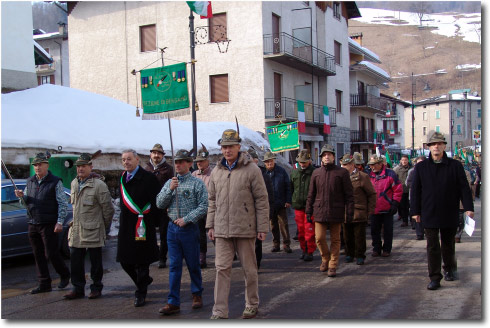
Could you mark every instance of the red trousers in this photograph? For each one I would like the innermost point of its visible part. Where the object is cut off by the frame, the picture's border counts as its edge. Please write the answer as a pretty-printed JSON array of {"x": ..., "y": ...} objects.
[{"x": 306, "y": 232}]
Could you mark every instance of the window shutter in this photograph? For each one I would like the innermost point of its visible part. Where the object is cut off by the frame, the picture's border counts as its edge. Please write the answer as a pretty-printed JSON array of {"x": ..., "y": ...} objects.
[
  {"x": 148, "y": 38},
  {"x": 219, "y": 88},
  {"x": 218, "y": 33}
]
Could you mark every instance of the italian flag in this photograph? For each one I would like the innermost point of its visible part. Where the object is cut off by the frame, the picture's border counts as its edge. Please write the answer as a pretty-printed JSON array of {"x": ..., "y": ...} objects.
[
  {"x": 392, "y": 132},
  {"x": 202, "y": 8},
  {"x": 326, "y": 120},
  {"x": 301, "y": 117}
]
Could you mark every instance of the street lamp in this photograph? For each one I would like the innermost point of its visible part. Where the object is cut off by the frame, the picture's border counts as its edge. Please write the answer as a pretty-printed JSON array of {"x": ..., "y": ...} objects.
[{"x": 427, "y": 88}]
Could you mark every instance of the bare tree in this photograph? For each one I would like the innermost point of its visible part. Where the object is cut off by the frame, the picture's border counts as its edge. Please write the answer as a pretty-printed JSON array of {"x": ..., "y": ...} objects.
[{"x": 421, "y": 9}]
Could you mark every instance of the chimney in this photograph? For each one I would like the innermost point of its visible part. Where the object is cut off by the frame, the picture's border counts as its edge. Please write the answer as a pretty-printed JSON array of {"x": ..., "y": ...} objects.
[
  {"x": 357, "y": 37},
  {"x": 62, "y": 28}
]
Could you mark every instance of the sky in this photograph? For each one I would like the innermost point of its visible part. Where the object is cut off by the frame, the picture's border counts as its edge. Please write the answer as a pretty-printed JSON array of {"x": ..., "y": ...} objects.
[{"x": 49, "y": 115}]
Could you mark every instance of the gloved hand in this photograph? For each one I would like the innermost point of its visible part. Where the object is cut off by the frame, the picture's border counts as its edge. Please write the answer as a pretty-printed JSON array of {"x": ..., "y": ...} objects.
[
  {"x": 394, "y": 208},
  {"x": 308, "y": 218}
]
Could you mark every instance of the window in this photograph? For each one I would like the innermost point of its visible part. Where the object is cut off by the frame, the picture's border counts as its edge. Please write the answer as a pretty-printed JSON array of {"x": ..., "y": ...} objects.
[
  {"x": 217, "y": 28},
  {"x": 338, "y": 99},
  {"x": 47, "y": 79},
  {"x": 438, "y": 114},
  {"x": 337, "y": 49},
  {"x": 438, "y": 128},
  {"x": 336, "y": 10},
  {"x": 424, "y": 116},
  {"x": 148, "y": 38},
  {"x": 458, "y": 113},
  {"x": 424, "y": 130},
  {"x": 458, "y": 129},
  {"x": 478, "y": 112},
  {"x": 219, "y": 88}
]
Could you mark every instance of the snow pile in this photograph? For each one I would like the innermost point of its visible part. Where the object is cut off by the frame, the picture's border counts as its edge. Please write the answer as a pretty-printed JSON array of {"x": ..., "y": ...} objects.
[
  {"x": 468, "y": 67},
  {"x": 467, "y": 26},
  {"x": 51, "y": 115}
]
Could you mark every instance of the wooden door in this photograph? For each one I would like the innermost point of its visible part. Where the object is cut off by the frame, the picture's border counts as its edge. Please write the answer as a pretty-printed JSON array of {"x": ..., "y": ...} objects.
[{"x": 277, "y": 95}]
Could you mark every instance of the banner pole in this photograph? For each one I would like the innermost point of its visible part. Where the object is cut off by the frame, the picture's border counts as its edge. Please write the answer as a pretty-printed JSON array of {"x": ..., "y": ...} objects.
[{"x": 173, "y": 163}]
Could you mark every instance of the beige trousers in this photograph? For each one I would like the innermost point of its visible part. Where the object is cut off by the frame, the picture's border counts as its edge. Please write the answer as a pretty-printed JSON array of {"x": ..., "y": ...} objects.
[
  {"x": 225, "y": 251},
  {"x": 329, "y": 256}
]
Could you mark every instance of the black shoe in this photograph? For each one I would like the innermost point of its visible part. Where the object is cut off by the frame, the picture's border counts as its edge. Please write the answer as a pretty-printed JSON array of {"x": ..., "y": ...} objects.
[
  {"x": 302, "y": 257},
  {"x": 287, "y": 249},
  {"x": 139, "y": 301},
  {"x": 64, "y": 282},
  {"x": 308, "y": 257},
  {"x": 420, "y": 237},
  {"x": 433, "y": 285},
  {"x": 73, "y": 295},
  {"x": 448, "y": 276},
  {"x": 275, "y": 249},
  {"x": 162, "y": 264},
  {"x": 40, "y": 289}
]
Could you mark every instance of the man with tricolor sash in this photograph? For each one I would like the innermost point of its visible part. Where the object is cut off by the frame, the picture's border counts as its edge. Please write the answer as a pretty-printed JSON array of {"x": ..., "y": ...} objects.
[{"x": 137, "y": 242}]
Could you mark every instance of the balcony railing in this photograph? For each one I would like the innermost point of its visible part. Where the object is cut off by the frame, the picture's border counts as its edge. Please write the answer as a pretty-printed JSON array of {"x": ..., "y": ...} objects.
[
  {"x": 287, "y": 109},
  {"x": 367, "y": 136},
  {"x": 46, "y": 67},
  {"x": 305, "y": 57},
  {"x": 366, "y": 100}
]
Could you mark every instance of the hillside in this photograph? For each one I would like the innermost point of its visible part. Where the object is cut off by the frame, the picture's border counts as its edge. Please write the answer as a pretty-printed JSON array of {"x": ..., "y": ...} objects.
[{"x": 438, "y": 54}]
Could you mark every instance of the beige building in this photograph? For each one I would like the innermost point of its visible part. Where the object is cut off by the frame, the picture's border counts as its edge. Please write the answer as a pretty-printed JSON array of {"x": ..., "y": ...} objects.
[
  {"x": 276, "y": 54},
  {"x": 436, "y": 115}
]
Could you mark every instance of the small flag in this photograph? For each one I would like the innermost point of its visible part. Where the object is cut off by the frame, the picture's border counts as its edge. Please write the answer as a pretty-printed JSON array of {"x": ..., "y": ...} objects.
[
  {"x": 301, "y": 117},
  {"x": 383, "y": 139},
  {"x": 392, "y": 132},
  {"x": 326, "y": 120},
  {"x": 202, "y": 8},
  {"x": 388, "y": 159},
  {"x": 388, "y": 113}
]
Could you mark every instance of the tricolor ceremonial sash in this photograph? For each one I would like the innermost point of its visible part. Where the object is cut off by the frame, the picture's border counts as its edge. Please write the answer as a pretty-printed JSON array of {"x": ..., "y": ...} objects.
[{"x": 140, "y": 230}]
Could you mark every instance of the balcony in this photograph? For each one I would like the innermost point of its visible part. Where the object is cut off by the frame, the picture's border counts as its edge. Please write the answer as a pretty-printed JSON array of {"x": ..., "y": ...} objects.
[
  {"x": 367, "y": 136},
  {"x": 287, "y": 109},
  {"x": 367, "y": 102},
  {"x": 46, "y": 68},
  {"x": 287, "y": 50}
]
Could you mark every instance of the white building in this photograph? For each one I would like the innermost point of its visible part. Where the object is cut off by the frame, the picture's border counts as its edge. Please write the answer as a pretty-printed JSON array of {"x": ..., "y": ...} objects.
[
  {"x": 19, "y": 51},
  {"x": 277, "y": 53}
]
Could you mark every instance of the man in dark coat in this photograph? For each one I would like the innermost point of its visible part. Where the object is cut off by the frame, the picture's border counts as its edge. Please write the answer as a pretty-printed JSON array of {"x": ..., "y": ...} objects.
[
  {"x": 330, "y": 201},
  {"x": 163, "y": 171},
  {"x": 137, "y": 241},
  {"x": 270, "y": 194},
  {"x": 438, "y": 186},
  {"x": 282, "y": 200}
]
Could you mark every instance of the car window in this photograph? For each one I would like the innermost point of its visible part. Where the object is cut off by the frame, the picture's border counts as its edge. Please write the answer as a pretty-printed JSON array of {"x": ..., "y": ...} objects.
[{"x": 10, "y": 202}]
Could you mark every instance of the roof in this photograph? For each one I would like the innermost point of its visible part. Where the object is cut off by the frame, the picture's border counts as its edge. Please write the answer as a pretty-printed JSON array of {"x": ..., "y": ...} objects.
[
  {"x": 45, "y": 36},
  {"x": 379, "y": 73},
  {"x": 401, "y": 101},
  {"x": 41, "y": 57},
  {"x": 445, "y": 98},
  {"x": 356, "y": 48},
  {"x": 352, "y": 9}
]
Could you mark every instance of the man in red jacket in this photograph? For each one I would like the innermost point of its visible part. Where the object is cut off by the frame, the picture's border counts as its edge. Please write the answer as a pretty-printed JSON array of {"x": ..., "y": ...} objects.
[{"x": 389, "y": 193}]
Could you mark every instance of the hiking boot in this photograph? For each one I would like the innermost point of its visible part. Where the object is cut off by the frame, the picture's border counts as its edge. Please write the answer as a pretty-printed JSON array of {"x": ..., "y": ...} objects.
[
  {"x": 324, "y": 266},
  {"x": 73, "y": 295},
  {"x": 196, "y": 301},
  {"x": 375, "y": 254},
  {"x": 249, "y": 312},
  {"x": 40, "y": 289},
  {"x": 332, "y": 272},
  {"x": 275, "y": 249},
  {"x": 169, "y": 309},
  {"x": 287, "y": 249},
  {"x": 309, "y": 257},
  {"x": 302, "y": 257},
  {"x": 385, "y": 254},
  {"x": 448, "y": 276}
]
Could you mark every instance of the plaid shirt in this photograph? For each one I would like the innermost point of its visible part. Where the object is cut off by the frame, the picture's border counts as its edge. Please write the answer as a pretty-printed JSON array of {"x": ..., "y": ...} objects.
[{"x": 192, "y": 197}]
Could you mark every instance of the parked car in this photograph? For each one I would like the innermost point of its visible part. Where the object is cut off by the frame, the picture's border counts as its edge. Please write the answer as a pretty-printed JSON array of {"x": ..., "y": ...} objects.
[{"x": 14, "y": 223}]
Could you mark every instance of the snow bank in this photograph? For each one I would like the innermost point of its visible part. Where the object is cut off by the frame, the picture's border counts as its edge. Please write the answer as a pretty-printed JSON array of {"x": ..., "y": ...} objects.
[{"x": 51, "y": 115}]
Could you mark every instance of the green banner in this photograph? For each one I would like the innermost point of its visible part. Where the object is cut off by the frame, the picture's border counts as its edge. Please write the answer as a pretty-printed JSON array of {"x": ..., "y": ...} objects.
[
  {"x": 164, "y": 89},
  {"x": 283, "y": 137}
]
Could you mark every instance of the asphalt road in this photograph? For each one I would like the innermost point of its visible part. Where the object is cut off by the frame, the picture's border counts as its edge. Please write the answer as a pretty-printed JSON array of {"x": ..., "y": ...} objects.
[{"x": 383, "y": 288}]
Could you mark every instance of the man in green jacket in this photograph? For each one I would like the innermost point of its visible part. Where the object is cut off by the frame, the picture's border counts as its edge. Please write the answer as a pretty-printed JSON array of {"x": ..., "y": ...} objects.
[
  {"x": 92, "y": 216},
  {"x": 300, "y": 182}
]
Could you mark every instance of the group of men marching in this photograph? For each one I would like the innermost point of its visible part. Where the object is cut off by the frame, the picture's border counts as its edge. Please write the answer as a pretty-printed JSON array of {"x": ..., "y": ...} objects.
[{"x": 232, "y": 205}]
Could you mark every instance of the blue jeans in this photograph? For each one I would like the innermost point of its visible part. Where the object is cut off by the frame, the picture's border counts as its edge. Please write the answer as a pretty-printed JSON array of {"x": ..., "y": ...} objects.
[
  {"x": 183, "y": 243},
  {"x": 386, "y": 221}
]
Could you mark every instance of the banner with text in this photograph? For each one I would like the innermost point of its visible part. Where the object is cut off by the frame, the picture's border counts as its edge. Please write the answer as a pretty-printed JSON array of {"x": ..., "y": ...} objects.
[
  {"x": 283, "y": 137},
  {"x": 164, "y": 90}
]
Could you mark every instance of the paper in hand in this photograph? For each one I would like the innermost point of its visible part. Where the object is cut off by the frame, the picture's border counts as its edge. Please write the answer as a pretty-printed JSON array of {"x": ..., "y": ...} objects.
[{"x": 469, "y": 225}]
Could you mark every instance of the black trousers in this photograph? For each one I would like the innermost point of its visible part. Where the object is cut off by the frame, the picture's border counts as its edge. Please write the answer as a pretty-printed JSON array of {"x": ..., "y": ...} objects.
[
  {"x": 77, "y": 260},
  {"x": 44, "y": 242},
  {"x": 404, "y": 208},
  {"x": 163, "y": 226},
  {"x": 203, "y": 241},
  {"x": 444, "y": 249},
  {"x": 140, "y": 274},
  {"x": 355, "y": 239}
]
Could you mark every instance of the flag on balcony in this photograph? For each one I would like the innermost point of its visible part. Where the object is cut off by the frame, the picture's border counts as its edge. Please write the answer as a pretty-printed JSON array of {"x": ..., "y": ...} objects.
[
  {"x": 301, "y": 117},
  {"x": 392, "y": 132},
  {"x": 388, "y": 113},
  {"x": 326, "y": 120},
  {"x": 383, "y": 139},
  {"x": 202, "y": 8}
]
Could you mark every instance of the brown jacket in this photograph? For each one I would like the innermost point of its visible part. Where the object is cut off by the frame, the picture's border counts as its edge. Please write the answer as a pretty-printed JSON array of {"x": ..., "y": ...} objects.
[
  {"x": 364, "y": 196},
  {"x": 205, "y": 176},
  {"x": 330, "y": 197},
  {"x": 238, "y": 200}
]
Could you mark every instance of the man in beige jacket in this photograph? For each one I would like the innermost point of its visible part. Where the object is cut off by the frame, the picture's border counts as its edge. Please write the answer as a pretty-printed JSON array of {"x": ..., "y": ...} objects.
[
  {"x": 238, "y": 213},
  {"x": 92, "y": 215}
]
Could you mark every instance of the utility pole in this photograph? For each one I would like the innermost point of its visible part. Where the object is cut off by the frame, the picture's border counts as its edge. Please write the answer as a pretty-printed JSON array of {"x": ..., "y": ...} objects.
[
  {"x": 413, "y": 115},
  {"x": 193, "y": 82}
]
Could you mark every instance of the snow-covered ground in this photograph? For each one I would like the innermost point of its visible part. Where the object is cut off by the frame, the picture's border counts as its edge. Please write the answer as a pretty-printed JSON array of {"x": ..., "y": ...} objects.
[
  {"x": 467, "y": 26},
  {"x": 51, "y": 115}
]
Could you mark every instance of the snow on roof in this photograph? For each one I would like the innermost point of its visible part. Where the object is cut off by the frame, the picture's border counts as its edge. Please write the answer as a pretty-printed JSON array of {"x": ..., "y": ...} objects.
[
  {"x": 468, "y": 26},
  {"x": 374, "y": 68},
  {"x": 46, "y": 35},
  {"x": 468, "y": 67},
  {"x": 52, "y": 115},
  {"x": 368, "y": 54},
  {"x": 41, "y": 49}
]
